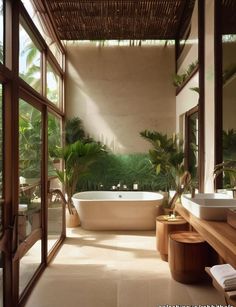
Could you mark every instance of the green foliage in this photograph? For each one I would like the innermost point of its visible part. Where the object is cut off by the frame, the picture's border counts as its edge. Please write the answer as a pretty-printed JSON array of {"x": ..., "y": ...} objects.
[
  {"x": 229, "y": 72},
  {"x": 74, "y": 131},
  {"x": 193, "y": 147},
  {"x": 228, "y": 168},
  {"x": 180, "y": 79},
  {"x": 78, "y": 157},
  {"x": 33, "y": 70},
  {"x": 29, "y": 141},
  {"x": 195, "y": 89},
  {"x": 124, "y": 169},
  {"x": 54, "y": 141},
  {"x": 167, "y": 156},
  {"x": 229, "y": 144},
  {"x": 52, "y": 85}
]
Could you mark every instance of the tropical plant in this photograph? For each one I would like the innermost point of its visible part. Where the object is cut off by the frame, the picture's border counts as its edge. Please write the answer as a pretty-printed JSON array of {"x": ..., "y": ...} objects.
[
  {"x": 29, "y": 140},
  {"x": 228, "y": 169},
  {"x": 193, "y": 146},
  {"x": 229, "y": 144},
  {"x": 74, "y": 131},
  {"x": 229, "y": 72},
  {"x": 125, "y": 169},
  {"x": 179, "y": 79},
  {"x": 78, "y": 157},
  {"x": 54, "y": 141},
  {"x": 167, "y": 156},
  {"x": 32, "y": 71},
  {"x": 195, "y": 89}
]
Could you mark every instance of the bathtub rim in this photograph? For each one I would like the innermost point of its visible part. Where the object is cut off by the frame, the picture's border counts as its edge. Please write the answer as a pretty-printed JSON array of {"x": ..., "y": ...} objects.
[{"x": 159, "y": 198}]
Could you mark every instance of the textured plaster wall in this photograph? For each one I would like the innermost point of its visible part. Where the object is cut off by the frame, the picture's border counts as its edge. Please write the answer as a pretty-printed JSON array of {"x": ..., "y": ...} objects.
[
  {"x": 185, "y": 101},
  {"x": 190, "y": 51},
  {"x": 120, "y": 91},
  {"x": 187, "y": 98}
]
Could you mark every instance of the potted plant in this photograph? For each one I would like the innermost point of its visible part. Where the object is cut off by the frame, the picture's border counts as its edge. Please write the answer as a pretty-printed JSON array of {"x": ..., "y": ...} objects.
[
  {"x": 77, "y": 158},
  {"x": 167, "y": 157}
]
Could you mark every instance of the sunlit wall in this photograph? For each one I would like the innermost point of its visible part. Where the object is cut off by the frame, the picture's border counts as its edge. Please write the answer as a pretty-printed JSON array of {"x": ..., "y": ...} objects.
[{"x": 119, "y": 91}]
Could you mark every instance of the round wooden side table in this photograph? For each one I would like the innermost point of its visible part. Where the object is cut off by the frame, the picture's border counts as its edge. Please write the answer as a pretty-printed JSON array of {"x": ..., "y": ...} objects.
[
  {"x": 164, "y": 226},
  {"x": 188, "y": 256}
]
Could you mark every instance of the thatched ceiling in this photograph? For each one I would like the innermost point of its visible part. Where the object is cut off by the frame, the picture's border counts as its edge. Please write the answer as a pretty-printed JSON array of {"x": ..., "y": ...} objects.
[
  {"x": 119, "y": 19},
  {"x": 229, "y": 16}
]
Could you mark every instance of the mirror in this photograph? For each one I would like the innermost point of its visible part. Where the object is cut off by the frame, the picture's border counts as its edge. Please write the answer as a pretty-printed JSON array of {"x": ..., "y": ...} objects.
[
  {"x": 228, "y": 39},
  {"x": 187, "y": 99},
  {"x": 191, "y": 143},
  {"x": 55, "y": 203}
]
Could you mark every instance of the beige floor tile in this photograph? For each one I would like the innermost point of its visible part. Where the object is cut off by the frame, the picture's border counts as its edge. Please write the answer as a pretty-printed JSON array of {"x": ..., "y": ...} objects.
[{"x": 113, "y": 269}]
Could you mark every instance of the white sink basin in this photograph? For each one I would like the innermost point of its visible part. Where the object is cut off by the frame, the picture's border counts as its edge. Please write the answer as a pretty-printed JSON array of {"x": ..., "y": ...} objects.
[{"x": 209, "y": 206}]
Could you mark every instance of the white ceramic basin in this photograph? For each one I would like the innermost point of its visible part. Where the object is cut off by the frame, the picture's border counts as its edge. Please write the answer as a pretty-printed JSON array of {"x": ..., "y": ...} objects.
[{"x": 209, "y": 206}]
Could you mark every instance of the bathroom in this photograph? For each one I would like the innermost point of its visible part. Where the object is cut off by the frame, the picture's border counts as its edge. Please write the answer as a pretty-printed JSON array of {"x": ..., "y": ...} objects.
[{"x": 169, "y": 74}]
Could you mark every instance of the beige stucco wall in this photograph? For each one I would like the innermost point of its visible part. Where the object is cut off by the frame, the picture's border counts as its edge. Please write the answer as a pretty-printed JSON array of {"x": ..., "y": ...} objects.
[
  {"x": 119, "y": 91},
  {"x": 185, "y": 101},
  {"x": 187, "y": 98},
  {"x": 190, "y": 52}
]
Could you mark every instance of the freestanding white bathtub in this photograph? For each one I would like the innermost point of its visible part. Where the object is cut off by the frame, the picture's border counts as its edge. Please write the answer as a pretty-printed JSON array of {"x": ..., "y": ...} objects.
[{"x": 118, "y": 210}]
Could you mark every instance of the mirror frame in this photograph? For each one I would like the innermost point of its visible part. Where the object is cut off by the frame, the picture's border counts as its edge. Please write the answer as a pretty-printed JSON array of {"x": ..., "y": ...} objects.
[
  {"x": 218, "y": 90},
  {"x": 201, "y": 102},
  {"x": 187, "y": 134}
]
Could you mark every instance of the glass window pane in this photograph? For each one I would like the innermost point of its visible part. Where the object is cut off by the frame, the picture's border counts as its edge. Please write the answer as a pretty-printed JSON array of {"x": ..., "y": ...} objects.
[
  {"x": 56, "y": 52},
  {"x": 1, "y": 31},
  {"x": 40, "y": 25},
  {"x": 54, "y": 140},
  {"x": 193, "y": 146},
  {"x": 29, "y": 264},
  {"x": 29, "y": 61},
  {"x": 53, "y": 85},
  {"x": 30, "y": 142},
  {"x": 55, "y": 205}
]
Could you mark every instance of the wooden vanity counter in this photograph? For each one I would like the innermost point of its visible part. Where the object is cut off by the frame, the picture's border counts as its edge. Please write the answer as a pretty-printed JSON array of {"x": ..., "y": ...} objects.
[{"x": 220, "y": 235}]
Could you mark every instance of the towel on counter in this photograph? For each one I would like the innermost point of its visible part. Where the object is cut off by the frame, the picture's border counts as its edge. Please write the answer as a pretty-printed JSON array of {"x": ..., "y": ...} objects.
[{"x": 225, "y": 275}]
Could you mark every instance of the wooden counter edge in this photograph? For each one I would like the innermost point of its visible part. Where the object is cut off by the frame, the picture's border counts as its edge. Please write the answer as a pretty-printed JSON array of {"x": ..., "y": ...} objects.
[{"x": 219, "y": 235}]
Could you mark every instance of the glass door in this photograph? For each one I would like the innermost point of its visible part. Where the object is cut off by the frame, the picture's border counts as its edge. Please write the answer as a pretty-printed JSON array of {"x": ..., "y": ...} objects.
[
  {"x": 30, "y": 193},
  {"x": 55, "y": 197}
]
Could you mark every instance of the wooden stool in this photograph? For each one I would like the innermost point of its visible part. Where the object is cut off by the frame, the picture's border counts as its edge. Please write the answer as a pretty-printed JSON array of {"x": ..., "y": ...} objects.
[
  {"x": 164, "y": 226},
  {"x": 188, "y": 256}
]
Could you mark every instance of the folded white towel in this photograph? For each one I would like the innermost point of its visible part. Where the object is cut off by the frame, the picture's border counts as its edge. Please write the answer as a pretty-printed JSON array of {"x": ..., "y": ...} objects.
[
  {"x": 230, "y": 282},
  {"x": 225, "y": 275}
]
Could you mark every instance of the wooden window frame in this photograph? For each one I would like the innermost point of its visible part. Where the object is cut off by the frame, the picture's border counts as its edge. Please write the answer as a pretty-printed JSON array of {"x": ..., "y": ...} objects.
[{"x": 15, "y": 88}]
